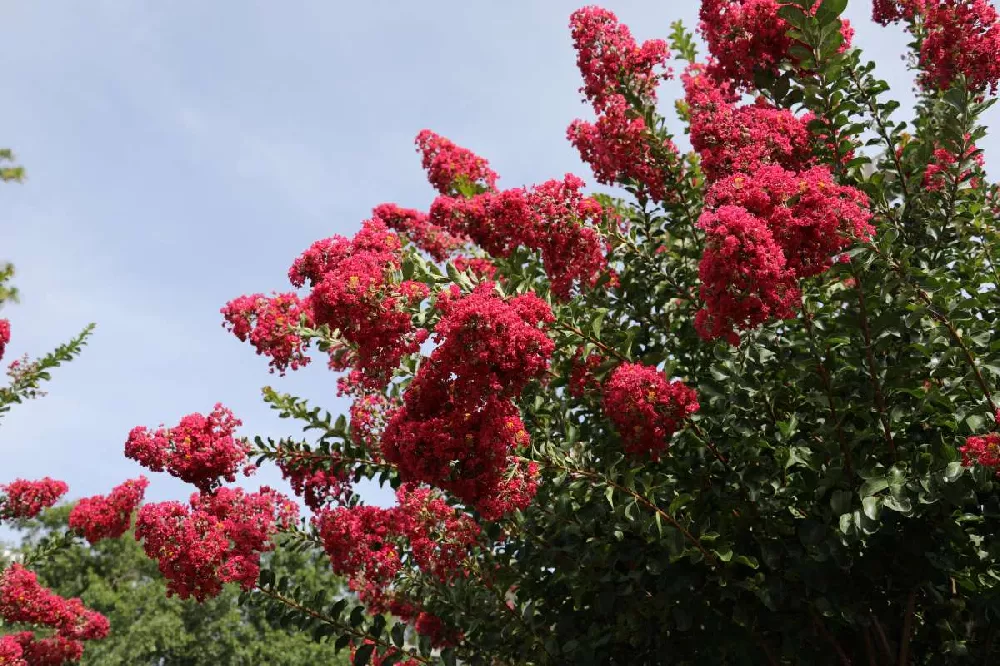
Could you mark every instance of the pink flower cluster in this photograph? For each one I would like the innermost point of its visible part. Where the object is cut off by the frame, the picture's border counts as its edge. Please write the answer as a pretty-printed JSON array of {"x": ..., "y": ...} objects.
[
  {"x": 610, "y": 60},
  {"x": 268, "y": 324},
  {"x": 317, "y": 486},
  {"x": 738, "y": 139},
  {"x": 365, "y": 544},
  {"x": 217, "y": 539},
  {"x": 553, "y": 218},
  {"x": 982, "y": 450},
  {"x": 619, "y": 146},
  {"x": 481, "y": 268},
  {"x": 26, "y": 499},
  {"x": 4, "y": 336},
  {"x": 960, "y": 37},
  {"x": 200, "y": 450},
  {"x": 108, "y": 517},
  {"x": 429, "y": 237},
  {"x": 355, "y": 292},
  {"x": 746, "y": 35},
  {"x": 23, "y": 600},
  {"x": 764, "y": 234},
  {"x": 646, "y": 408},
  {"x": 447, "y": 164},
  {"x": 458, "y": 426}
]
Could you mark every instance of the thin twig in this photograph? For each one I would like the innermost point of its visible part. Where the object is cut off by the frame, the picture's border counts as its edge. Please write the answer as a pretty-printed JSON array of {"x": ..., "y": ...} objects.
[
  {"x": 904, "y": 640},
  {"x": 828, "y": 637},
  {"x": 872, "y": 369}
]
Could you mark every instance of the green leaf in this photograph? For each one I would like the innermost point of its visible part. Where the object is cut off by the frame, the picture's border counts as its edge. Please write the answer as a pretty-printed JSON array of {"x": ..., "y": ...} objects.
[
  {"x": 609, "y": 494},
  {"x": 398, "y": 634},
  {"x": 871, "y": 506},
  {"x": 874, "y": 486},
  {"x": 363, "y": 654},
  {"x": 829, "y": 10}
]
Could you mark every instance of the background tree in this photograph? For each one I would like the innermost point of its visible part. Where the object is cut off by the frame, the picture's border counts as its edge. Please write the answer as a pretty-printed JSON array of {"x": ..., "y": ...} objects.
[{"x": 150, "y": 629}]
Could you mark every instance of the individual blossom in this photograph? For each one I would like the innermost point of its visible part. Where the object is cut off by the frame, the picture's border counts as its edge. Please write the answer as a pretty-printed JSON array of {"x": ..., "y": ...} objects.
[
  {"x": 447, "y": 165},
  {"x": 745, "y": 280},
  {"x": 430, "y": 238},
  {"x": 200, "y": 450},
  {"x": 982, "y": 450},
  {"x": 268, "y": 324},
  {"x": 26, "y": 499},
  {"x": 4, "y": 336},
  {"x": 108, "y": 517},
  {"x": 748, "y": 35},
  {"x": 610, "y": 60},
  {"x": 646, "y": 408}
]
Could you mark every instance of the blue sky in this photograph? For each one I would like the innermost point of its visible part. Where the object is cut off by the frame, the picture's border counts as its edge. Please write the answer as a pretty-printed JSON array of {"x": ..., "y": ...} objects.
[{"x": 183, "y": 153}]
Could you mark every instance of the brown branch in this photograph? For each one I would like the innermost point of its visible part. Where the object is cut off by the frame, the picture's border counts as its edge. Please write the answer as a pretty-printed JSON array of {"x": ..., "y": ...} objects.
[
  {"x": 342, "y": 626},
  {"x": 828, "y": 637},
  {"x": 904, "y": 640},
  {"x": 883, "y": 640},
  {"x": 870, "y": 648},
  {"x": 872, "y": 369},
  {"x": 600, "y": 345},
  {"x": 594, "y": 476}
]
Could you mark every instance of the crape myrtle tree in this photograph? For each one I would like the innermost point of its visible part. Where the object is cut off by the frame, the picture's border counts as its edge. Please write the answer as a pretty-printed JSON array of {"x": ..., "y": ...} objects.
[{"x": 742, "y": 414}]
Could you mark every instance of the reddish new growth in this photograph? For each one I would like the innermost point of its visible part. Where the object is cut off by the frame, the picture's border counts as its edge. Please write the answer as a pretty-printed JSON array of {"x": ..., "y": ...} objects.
[
  {"x": 458, "y": 427},
  {"x": 448, "y": 164},
  {"x": 959, "y": 37},
  {"x": 553, "y": 218},
  {"x": 646, "y": 408},
  {"x": 429, "y": 237},
  {"x": 744, "y": 36},
  {"x": 984, "y": 450},
  {"x": 217, "y": 540},
  {"x": 943, "y": 161},
  {"x": 355, "y": 292},
  {"x": 765, "y": 233},
  {"x": 200, "y": 450},
  {"x": 268, "y": 324},
  {"x": 108, "y": 517},
  {"x": 26, "y": 499},
  {"x": 4, "y": 338},
  {"x": 738, "y": 139},
  {"x": 23, "y": 600}
]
